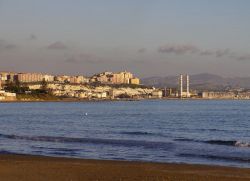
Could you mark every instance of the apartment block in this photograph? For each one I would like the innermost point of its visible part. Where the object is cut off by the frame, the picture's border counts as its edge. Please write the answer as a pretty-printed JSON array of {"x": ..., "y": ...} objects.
[
  {"x": 104, "y": 77},
  {"x": 49, "y": 78},
  {"x": 78, "y": 79},
  {"x": 4, "y": 76},
  {"x": 122, "y": 77},
  {"x": 30, "y": 77}
]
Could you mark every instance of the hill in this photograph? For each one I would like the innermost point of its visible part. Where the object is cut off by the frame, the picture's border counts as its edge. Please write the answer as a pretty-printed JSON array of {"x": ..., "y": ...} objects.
[{"x": 203, "y": 81}]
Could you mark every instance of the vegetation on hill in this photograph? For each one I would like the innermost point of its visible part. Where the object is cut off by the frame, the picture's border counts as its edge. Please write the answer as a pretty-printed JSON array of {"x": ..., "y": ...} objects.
[
  {"x": 24, "y": 93},
  {"x": 15, "y": 87},
  {"x": 36, "y": 97}
]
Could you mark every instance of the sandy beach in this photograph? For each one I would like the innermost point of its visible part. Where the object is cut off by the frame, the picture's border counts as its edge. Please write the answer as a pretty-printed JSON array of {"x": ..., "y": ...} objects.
[{"x": 38, "y": 168}]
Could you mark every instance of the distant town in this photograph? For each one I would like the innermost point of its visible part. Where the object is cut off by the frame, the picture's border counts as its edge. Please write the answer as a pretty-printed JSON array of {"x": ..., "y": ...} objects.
[{"x": 102, "y": 86}]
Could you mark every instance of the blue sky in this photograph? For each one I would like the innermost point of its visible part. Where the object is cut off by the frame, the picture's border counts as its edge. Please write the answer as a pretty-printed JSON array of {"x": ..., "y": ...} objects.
[{"x": 149, "y": 38}]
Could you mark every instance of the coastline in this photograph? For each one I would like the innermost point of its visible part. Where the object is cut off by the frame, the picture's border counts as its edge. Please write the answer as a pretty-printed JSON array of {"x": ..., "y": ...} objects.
[
  {"x": 26, "y": 167},
  {"x": 113, "y": 100},
  {"x": 70, "y": 100}
]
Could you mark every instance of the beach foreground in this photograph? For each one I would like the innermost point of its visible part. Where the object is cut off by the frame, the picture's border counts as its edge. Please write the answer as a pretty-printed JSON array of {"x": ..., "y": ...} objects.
[{"x": 38, "y": 168}]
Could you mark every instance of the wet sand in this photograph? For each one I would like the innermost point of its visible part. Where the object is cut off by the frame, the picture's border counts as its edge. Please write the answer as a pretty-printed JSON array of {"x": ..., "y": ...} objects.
[{"x": 38, "y": 168}]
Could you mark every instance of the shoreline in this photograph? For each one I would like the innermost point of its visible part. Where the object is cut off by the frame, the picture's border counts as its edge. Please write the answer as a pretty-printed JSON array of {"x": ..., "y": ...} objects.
[
  {"x": 69, "y": 100},
  {"x": 15, "y": 167},
  {"x": 118, "y": 100}
]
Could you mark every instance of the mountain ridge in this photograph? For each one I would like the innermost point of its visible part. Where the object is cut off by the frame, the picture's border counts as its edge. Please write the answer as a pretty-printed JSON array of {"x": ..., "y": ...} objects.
[{"x": 203, "y": 81}]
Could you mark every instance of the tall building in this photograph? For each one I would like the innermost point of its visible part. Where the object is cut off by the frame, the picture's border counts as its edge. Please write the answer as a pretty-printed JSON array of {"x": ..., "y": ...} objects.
[
  {"x": 78, "y": 79},
  {"x": 12, "y": 77},
  {"x": 122, "y": 77},
  {"x": 115, "y": 78},
  {"x": 4, "y": 76},
  {"x": 49, "y": 78},
  {"x": 29, "y": 77},
  {"x": 183, "y": 81},
  {"x": 8, "y": 76}
]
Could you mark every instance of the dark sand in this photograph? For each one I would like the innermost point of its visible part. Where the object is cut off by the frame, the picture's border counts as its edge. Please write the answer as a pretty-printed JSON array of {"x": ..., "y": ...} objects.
[{"x": 36, "y": 168}]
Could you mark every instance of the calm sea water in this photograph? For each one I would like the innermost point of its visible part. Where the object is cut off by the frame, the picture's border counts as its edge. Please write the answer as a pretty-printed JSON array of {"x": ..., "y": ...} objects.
[{"x": 203, "y": 132}]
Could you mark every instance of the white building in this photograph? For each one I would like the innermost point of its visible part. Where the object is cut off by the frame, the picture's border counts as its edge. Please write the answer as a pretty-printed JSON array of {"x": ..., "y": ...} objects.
[
  {"x": 7, "y": 96},
  {"x": 157, "y": 94},
  {"x": 48, "y": 78}
]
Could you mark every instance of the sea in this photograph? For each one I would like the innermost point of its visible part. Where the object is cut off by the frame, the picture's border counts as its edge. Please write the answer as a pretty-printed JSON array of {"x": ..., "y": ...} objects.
[{"x": 210, "y": 132}]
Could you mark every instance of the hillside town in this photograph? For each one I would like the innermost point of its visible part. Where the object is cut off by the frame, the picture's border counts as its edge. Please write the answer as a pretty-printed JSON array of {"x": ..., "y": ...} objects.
[
  {"x": 102, "y": 86},
  {"x": 106, "y": 85}
]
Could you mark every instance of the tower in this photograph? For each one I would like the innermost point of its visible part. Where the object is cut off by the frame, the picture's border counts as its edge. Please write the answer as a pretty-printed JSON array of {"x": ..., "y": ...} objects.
[
  {"x": 181, "y": 92},
  {"x": 187, "y": 82}
]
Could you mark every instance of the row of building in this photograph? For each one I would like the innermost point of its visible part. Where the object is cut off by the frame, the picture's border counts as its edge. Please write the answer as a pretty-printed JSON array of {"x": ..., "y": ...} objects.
[
  {"x": 39, "y": 77},
  {"x": 115, "y": 78},
  {"x": 105, "y": 78},
  {"x": 225, "y": 95},
  {"x": 83, "y": 91}
]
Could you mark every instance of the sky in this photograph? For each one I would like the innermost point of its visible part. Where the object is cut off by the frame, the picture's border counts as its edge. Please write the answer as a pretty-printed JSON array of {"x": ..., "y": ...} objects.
[{"x": 146, "y": 37}]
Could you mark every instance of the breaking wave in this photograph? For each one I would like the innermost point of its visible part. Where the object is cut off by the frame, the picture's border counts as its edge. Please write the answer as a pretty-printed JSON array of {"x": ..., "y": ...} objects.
[
  {"x": 221, "y": 142},
  {"x": 112, "y": 142},
  {"x": 215, "y": 157},
  {"x": 218, "y": 142},
  {"x": 242, "y": 144},
  {"x": 137, "y": 133},
  {"x": 229, "y": 143}
]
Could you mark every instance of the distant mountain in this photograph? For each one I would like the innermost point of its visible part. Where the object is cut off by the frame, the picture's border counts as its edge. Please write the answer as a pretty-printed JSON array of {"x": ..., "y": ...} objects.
[{"x": 203, "y": 81}]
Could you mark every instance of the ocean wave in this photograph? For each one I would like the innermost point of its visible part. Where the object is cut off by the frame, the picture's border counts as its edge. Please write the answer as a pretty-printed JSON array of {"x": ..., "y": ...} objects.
[
  {"x": 216, "y": 157},
  {"x": 220, "y": 142},
  {"x": 6, "y": 152},
  {"x": 137, "y": 133},
  {"x": 242, "y": 144},
  {"x": 229, "y": 143},
  {"x": 185, "y": 139},
  {"x": 217, "y": 142},
  {"x": 57, "y": 149},
  {"x": 113, "y": 142}
]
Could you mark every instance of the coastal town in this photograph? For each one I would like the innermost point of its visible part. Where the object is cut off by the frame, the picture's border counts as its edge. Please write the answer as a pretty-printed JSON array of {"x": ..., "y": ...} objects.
[
  {"x": 106, "y": 85},
  {"x": 102, "y": 86}
]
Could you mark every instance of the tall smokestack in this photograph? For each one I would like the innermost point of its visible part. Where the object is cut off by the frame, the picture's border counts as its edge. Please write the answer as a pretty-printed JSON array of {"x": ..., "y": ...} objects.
[
  {"x": 180, "y": 86},
  {"x": 187, "y": 81}
]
